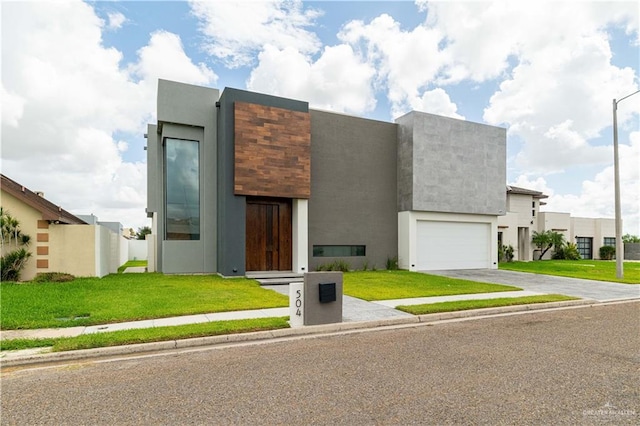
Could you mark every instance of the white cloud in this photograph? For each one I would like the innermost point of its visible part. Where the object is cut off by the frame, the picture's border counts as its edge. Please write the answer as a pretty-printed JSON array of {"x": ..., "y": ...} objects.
[
  {"x": 436, "y": 101},
  {"x": 558, "y": 96},
  {"x": 407, "y": 62},
  {"x": 116, "y": 20},
  {"x": 12, "y": 107},
  {"x": 537, "y": 184},
  {"x": 164, "y": 57},
  {"x": 237, "y": 30},
  {"x": 337, "y": 81},
  {"x": 69, "y": 95},
  {"x": 596, "y": 197}
]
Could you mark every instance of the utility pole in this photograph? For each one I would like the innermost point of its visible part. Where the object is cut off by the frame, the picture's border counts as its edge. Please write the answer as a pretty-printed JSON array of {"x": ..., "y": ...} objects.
[{"x": 616, "y": 172}]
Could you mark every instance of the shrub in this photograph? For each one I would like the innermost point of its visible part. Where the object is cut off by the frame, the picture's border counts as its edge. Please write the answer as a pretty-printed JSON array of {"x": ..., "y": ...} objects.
[
  {"x": 392, "y": 263},
  {"x": 567, "y": 252},
  {"x": 53, "y": 277},
  {"x": 607, "y": 252},
  {"x": 571, "y": 252},
  {"x": 336, "y": 265},
  {"x": 505, "y": 253},
  {"x": 12, "y": 263}
]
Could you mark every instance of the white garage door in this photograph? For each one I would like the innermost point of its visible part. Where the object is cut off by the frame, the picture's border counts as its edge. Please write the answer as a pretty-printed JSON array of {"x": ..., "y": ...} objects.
[{"x": 452, "y": 245}]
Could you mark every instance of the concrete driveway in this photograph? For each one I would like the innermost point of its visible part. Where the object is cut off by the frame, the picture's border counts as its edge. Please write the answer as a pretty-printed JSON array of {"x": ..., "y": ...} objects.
[{"x": 587, "y": 289}]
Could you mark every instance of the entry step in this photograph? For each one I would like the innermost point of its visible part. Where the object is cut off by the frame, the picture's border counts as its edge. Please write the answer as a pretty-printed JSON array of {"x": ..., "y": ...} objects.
[{"x": 275, "y": 277}]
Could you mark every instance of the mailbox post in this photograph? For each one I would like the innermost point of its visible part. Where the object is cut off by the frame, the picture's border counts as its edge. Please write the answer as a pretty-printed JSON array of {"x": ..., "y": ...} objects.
[
  {"x": 322, "y": 298},
  {"x": 296, "y": 304}
]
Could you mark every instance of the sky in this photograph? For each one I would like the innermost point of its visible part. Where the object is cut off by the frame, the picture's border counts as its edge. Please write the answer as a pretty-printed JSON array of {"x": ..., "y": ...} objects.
[{"x": 79, "y": 84}]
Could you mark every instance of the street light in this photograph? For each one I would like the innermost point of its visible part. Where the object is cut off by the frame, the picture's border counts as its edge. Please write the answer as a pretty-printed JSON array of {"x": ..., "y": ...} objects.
[{"x": 616, "y": 172}]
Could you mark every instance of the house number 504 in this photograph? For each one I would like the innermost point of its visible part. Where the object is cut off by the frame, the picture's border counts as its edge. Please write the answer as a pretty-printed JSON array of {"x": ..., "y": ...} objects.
[{"x": 298, "y": 302}]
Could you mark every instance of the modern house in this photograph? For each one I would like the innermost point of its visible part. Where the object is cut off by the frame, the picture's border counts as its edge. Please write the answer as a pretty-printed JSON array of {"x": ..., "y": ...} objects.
[
  {"x": 241, "y": 181},
  {"x": 60, "y": 241},
  {"x": 524, "y": 217}
]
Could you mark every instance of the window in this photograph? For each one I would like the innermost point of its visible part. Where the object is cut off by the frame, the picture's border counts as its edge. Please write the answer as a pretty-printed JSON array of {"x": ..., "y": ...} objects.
[
  {"x": 533, "y": 204},
  {"x": 585, "y": 247},
  {"x": 533, "y": 213},
  {"x": 609, "y": 241},
  {"x": 182, "y": 190},
  {"x": 338, "y": 251}
]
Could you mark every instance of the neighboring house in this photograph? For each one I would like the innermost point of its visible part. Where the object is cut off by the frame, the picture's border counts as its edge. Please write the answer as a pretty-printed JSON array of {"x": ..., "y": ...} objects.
[
  {"x": 60, "y": 241},
  {"x": 242, "y": 181},
  {"x": 524, "y": 217}
]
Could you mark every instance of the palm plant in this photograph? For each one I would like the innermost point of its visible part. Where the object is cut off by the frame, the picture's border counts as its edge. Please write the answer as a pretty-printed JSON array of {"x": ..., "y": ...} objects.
[
  {"x": 547, "y": 239},
  {"x": 12, "y": 262}
]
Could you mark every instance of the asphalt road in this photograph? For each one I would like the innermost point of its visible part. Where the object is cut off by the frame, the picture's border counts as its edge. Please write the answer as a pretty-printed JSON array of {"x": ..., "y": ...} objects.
[{"x": 572, "y": 366}]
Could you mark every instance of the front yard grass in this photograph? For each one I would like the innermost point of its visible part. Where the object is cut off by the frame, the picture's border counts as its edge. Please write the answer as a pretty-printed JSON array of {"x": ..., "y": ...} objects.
[
  {"x": 130, "y": 297},
  {"x": 148, "y": 335},
  {"x": 386, "y": 285},
  {"x": 132, "y": 264},
  {"x": 462, "y": 305},
  {"x": 599, "y": 270},
  {"x": 127, "y": 297}
]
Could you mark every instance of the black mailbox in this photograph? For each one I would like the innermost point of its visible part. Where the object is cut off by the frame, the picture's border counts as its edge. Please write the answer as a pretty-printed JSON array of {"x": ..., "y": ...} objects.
[{"x": 327, "y": 292}]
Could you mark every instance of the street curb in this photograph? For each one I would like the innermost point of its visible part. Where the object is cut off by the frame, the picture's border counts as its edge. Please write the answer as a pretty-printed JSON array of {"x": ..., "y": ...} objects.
[{"x": 315, "y": 330}]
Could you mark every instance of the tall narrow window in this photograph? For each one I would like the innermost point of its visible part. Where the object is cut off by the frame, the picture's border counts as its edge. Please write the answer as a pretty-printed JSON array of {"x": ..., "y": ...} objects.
[
  {"x": 585, "y": 247},
  {"x": 182, "y": 190}
]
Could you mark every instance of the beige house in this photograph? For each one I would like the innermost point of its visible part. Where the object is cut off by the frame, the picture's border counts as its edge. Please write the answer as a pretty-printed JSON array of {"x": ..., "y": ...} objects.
[
  {"x": 60, "y": 241},
  {"x": 523, "y": 218}
]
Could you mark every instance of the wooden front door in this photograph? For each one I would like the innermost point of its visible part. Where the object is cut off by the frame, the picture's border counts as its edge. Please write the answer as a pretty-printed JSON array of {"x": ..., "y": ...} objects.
[{"x": 268, "y": 234}]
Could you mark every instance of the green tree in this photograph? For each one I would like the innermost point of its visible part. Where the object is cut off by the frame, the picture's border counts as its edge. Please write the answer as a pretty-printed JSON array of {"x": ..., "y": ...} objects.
[
  {"x": 143, "y": 232},
  {"x": 628, "y": 238},
  {"x": 547, "y": 239}
]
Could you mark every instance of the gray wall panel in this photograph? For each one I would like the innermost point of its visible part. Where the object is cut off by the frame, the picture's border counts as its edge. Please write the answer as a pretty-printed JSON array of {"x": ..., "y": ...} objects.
[
  {"x": 154, "y": 170},
  {"x": 189, "y": 112},
  {"x": 457, "y": 166},
  {"x": 405, "y": 163},
  {"x": 353, "y": 187}
]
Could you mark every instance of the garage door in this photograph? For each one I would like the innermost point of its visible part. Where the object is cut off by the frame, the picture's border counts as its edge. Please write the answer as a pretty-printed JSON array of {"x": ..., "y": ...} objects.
[{"x": 452, "y": 245}]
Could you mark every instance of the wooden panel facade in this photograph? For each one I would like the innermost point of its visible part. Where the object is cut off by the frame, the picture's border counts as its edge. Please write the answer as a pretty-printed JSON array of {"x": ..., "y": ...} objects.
[{"x": 272, "y": 151}]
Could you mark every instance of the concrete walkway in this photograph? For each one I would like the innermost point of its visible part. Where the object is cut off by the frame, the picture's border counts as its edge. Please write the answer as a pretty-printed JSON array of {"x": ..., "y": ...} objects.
[{"x": 601, "y": 291}]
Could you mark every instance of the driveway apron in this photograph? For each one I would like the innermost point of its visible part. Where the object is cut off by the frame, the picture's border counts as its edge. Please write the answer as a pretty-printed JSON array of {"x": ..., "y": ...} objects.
[{"x": 601, "y": 291}]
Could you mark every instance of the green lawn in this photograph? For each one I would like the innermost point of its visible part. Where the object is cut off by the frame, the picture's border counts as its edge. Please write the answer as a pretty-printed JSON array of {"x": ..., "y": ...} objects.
[
  {"x": 461, "y": 305},
  {"x": 132, "y": 263},
  {"x": 385, "y": 285},
  {"x": 600, "y": 270},
  {"x": 127, "y": 297},
  {"x": 147, "y": 335}
]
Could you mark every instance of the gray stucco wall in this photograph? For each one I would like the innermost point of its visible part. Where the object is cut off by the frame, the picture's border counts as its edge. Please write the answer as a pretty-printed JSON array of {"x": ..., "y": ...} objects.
[
  {"x": 353, "y": 187},
  {"x": 232, "y": 208},
  {"x": 449, "y": 165},
  {"x": 186, "y": 112},
  {"x": 154, "y": 171}
]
